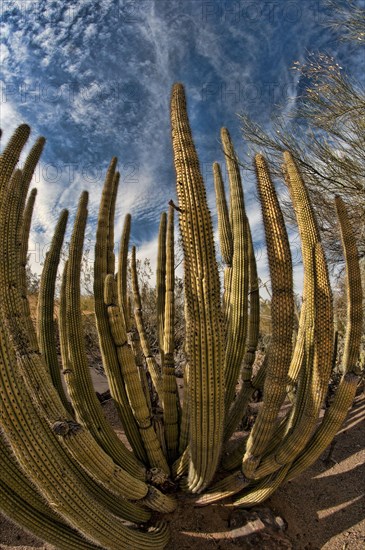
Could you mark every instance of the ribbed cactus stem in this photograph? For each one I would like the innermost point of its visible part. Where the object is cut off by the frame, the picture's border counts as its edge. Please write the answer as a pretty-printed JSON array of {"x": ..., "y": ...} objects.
[
  {"x": 24, "y": 224},
  {"x": 354, "y": 292},
  {"x": 78, "y": 377},
  {"x": 225, "y": 238},
  {"x": 119, "y": 507},
  {"x": 336, "y": 413},
  {"x": 151, "y": 362},
  {"x": 263, "y": 490},
  {"x": 23, "y": 259},
  {"x": 224, "y": 226},
  {"x": 123, "y": 269},
  {"x": 134, "y": 389},
  {"x": 225, "y": 488},
  {"x": 239, "y": 405},
  {"x": 161, "y": 284},
  {"x": 204, "y": 336},
  {"x": 185, "y": 416},
  {"x": 110, "y": 252},
  {"x": 234, "y": 458},
  {"x": 62, "y": 320},
  {"x": 319, "y": 330},
  {"x": 25, "y": 229},
  {"x": 30, "y": 165},
  {"x": 33, "y": 439},
  {"x": 11, "y": 153},
  {"x": 171, "y": 403},
  {"x": 109, "y": 353},
  {"x": 45, "y": 308},
  {"x": 23, "y": 504},
  {"x": 282, "y": 314},
  {"x": 236, "y": 303}
]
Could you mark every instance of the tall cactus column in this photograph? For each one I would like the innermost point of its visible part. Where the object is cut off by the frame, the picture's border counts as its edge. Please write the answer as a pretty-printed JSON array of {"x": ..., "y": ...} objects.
[
  {"x": 237, "y": 297},
  {"x": 204, "y": 337},
  {"x": 170, "y": 395}
]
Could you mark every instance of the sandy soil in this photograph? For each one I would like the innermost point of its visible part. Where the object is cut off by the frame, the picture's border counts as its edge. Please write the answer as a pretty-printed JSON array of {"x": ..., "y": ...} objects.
[{"x": 323, "y": 508}]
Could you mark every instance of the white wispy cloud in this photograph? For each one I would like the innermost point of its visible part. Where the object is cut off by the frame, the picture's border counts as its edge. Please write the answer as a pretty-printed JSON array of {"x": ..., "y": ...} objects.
[{"x": 95, "y": 78}]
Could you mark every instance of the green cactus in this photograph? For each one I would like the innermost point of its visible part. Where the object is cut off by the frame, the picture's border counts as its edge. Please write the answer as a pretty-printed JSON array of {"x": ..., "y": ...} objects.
[
  {"x": 70, "y": 479},
  {"x": 33, "y": 434},
  {"x": 161, "y": 284},
  {"x": 77, "y": 374},
  {"x": 122, "y": 270},
  {"x": 236, "y": 302},
  {"x": 151, "y": 362},
  {"x": 240, "y": 403},
  {"x": 171, "y": 403},
  {"x": 109, "y": 353},
  {"x": 204, "y": 335},
  {"x": 282, "y": 314},
  {"x": 45, "y": 308}
]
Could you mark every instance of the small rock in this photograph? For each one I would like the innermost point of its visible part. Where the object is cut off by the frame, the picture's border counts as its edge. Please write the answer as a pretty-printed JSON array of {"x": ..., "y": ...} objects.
[
  {"x": 240, "y": 517},
  {"x": 281, "y": 523}
]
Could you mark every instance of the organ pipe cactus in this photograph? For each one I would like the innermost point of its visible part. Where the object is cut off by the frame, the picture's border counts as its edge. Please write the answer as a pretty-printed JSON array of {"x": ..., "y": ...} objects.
[{"x": 65, "y": 475}]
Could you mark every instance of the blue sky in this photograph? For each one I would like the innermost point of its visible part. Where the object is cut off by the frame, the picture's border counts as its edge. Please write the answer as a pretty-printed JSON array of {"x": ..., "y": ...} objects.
[{"x": 95, "y": 80}]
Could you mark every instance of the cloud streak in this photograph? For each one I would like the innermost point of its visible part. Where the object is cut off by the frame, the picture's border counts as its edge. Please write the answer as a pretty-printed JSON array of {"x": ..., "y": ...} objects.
[{"x": 95, "y": 79}]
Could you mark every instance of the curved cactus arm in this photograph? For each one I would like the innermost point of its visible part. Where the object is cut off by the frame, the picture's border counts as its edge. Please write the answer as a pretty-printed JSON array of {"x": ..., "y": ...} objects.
[
  {"x": 122, "y": 269},
  {"x": 32, "y": 437},
  {"x": 136, "y": 396},
  {"x": 109, "y": 353},
  {"x": 25, "y": 230},
  {"x": 24, "y": 225},
  {"x": 121, "y": 280},
  {"x": 171, "y": 402},
  {"x": 135, "y": 343},
  {"x": 239, "y": 405},
  {"x": 299, "y": 338},
  {"x": 224, "y": 226},
  {"x": 319, "y": 331},
  {"x": 22, "y": 503},
  {"x": 225, "y": 238},
  {"x": 184, "y": 423},
  {"x": 297, "y": 359},
  {"x": 24, "y": 238},
  {"x": 354, "y": 290},
  {"x": 237, "y": 300},
  {"x": 161, "y": 284},
  {"x": 152, "y": 366},
  {"x": 181, "y": 465},
  {"x": 110, "y": 238},
  {"x": 263, "y": 490},
  {"x": 336, "y": 413},
  {"x": 204, "y": 336},
  {"x": 225, "y": 488},
  {"x": 82, "y": 447},
  {"x": 45, "y": 308},
  {"x": 78, "y": 378},
  {"x": 282, "y": 313},
  {"x": 234, "y": 458},
  {"x": 62, "y": 321},
  {"x": 11, "y": 153},
  {"x": 29, "y": 166},
  {"x": 120, "y": 507}
]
